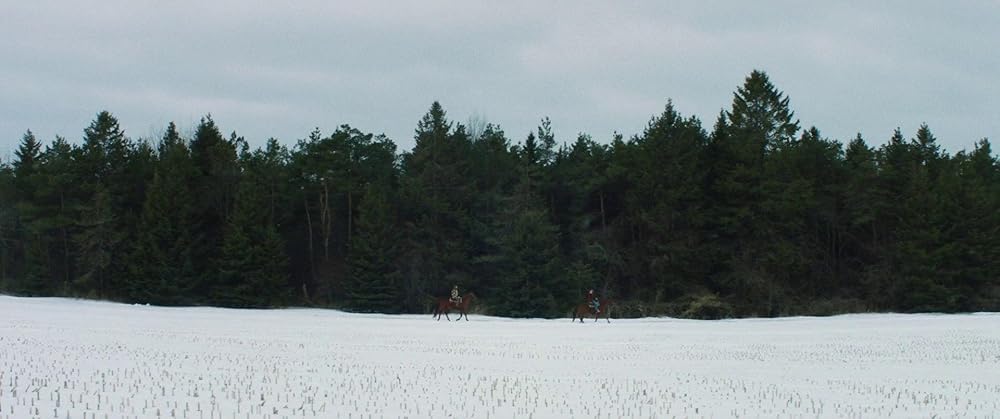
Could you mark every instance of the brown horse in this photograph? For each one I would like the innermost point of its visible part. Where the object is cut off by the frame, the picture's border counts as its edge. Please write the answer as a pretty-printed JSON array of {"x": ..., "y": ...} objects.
[
  {"x": 585, "y": 310},
  {"x": 444, "y": 305}
]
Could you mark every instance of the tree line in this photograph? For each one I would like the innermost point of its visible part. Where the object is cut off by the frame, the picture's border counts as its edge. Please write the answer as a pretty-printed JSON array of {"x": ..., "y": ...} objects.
[{"x": 752, "y": 217}]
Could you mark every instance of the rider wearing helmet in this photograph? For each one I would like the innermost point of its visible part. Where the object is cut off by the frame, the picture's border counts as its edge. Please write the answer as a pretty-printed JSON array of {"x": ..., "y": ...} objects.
[{"x": 455, "y": 298}]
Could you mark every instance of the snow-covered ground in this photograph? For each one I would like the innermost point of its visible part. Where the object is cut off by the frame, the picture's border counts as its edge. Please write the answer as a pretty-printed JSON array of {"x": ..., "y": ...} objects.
[{"x": 64, "y": 358}]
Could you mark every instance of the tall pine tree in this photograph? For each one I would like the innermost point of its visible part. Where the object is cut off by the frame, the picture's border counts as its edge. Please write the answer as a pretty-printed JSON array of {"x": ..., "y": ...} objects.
[
  {"x": 163, "y": 268},
  {"x": 253, "y": 265},
  {"x": 374, "y": 283}
]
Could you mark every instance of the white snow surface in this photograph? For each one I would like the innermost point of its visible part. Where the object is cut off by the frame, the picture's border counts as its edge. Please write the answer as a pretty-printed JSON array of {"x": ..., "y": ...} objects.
[{"x": 62, "y": 358}]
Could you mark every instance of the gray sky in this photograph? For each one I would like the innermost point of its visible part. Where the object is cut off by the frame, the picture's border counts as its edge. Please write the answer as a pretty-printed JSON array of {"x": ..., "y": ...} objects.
[{"x": 279, "y": 69}]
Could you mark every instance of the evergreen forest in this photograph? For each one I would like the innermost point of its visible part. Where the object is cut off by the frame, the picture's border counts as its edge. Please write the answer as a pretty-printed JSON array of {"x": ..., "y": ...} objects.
[{"x": 747, "y": 215}]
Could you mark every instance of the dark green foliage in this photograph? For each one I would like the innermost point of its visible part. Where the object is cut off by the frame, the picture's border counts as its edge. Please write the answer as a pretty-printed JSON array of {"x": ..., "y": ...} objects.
[
  {"x": 438, "y": 191},
  {"x": 8, "y": 225},
  {"x": 163, "y": 268},
  {"x": 527, "y": 245},
  {"x": 28, "y": 154},
  {"x": 374, "y": 283},
  {"x": 97, "y": 242},
  {"x": 707, "y": 307},
  {"x": 761, "y": 114},
  {"x": 327, "y": 175},
  {"x": 252, "y": 267},
  {"x": 752, "y": 218},
  {"x": 51, "y": 219},
  {"x": 214, "y": 188},
  {"x": 667, "y": 201}
]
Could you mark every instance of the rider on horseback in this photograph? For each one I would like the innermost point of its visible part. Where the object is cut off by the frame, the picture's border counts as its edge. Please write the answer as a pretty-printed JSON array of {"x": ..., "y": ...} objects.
[
  {"x": 592, "y": 301},
  {"x": 455, "y": 298}
]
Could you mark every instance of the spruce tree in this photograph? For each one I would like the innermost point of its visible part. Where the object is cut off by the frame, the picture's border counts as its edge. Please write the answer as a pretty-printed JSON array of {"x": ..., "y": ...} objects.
[
  {"x": 97, "y": 243},
  {"x": 103, "y": 163},
  {"x": 978, "y": 229},
  {"x": 49, "y": 220},
  {"x": 26, "y": 162},
  {"x": 214, "y": 188},
  {"x": 862, "y": 201},
  {"x": 528, "y": 254},
  {"x": 163, "y": 269},
  {"x": 8, "y": 224},
  {"x": 16, "y": 217},
  {"x": 494, "y": 173},
  {"x": 761, "y": 113},
  {"x": 666, "y": 203},
  {"x": 759, "y": 123},
  {"x": 374, "y": 283},
  {"x": 437, "y": 185},
  {"x": 253, "y": 266}
]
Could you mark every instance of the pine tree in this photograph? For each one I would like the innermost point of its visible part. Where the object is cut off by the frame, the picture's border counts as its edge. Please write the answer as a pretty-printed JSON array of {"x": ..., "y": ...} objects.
[
  {"x": 437, "y": 185},
  {"x": 862, "y": 201},
  {"x": 163, "y": 271},
  {"x": 214, "y": 187},
  {"x": 97, "y": 243},
  {"x": 528, "y": 247},
  {"x": 103, "y": 163},
  {"x": 375, "y": 282},
  {"x": 26, "y": 162},
  {"x": 103, "y": 151},
  {"x": 329, "y": 172},
  {"x": 742, "y": 205},
  {"x": 8, "y": 225},
  {"x": 51, "y": 217},
  {"x": 977, "y": 228},
  {"x": 23, "y": 236},
  {"x": 802, "y": 187},
  {"x": 761, "y": 114},
  {"x": 666, "y": 203},
  {"x": 253, "y": 266},
  {"x": 494, "y": 171},
  {"x": 15, "y": 218}
]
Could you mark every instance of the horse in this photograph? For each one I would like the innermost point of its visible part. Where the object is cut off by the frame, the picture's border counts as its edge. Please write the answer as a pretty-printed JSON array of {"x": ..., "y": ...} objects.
[
  {"x": 584, "y": 309},
  {"x": 444, "y": 305}
]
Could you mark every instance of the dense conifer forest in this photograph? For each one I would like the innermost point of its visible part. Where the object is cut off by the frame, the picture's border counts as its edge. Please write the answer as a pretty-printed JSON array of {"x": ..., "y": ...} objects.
[{"x": 751, "y": 215}]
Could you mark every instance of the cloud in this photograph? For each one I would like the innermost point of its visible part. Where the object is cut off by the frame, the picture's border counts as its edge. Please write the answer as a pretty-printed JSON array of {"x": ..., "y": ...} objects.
[{"x": 267, "y": 69}]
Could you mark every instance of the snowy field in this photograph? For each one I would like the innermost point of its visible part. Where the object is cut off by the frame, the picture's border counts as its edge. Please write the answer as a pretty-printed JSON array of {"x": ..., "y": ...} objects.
[{"x": 64, "y": 358}]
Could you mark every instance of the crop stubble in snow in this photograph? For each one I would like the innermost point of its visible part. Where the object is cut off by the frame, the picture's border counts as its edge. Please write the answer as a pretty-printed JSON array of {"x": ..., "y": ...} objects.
[{"x": 64, "y": 358}]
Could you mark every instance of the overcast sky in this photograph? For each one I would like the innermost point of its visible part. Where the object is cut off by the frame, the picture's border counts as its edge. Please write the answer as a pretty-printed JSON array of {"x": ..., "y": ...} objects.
[{"x": 279, "y": 69}]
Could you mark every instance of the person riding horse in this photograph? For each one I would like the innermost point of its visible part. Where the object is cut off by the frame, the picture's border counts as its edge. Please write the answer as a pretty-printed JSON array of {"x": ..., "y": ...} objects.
[
  {"x": 592, "y": 301},
  {"x": 455, "y": 299}
]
